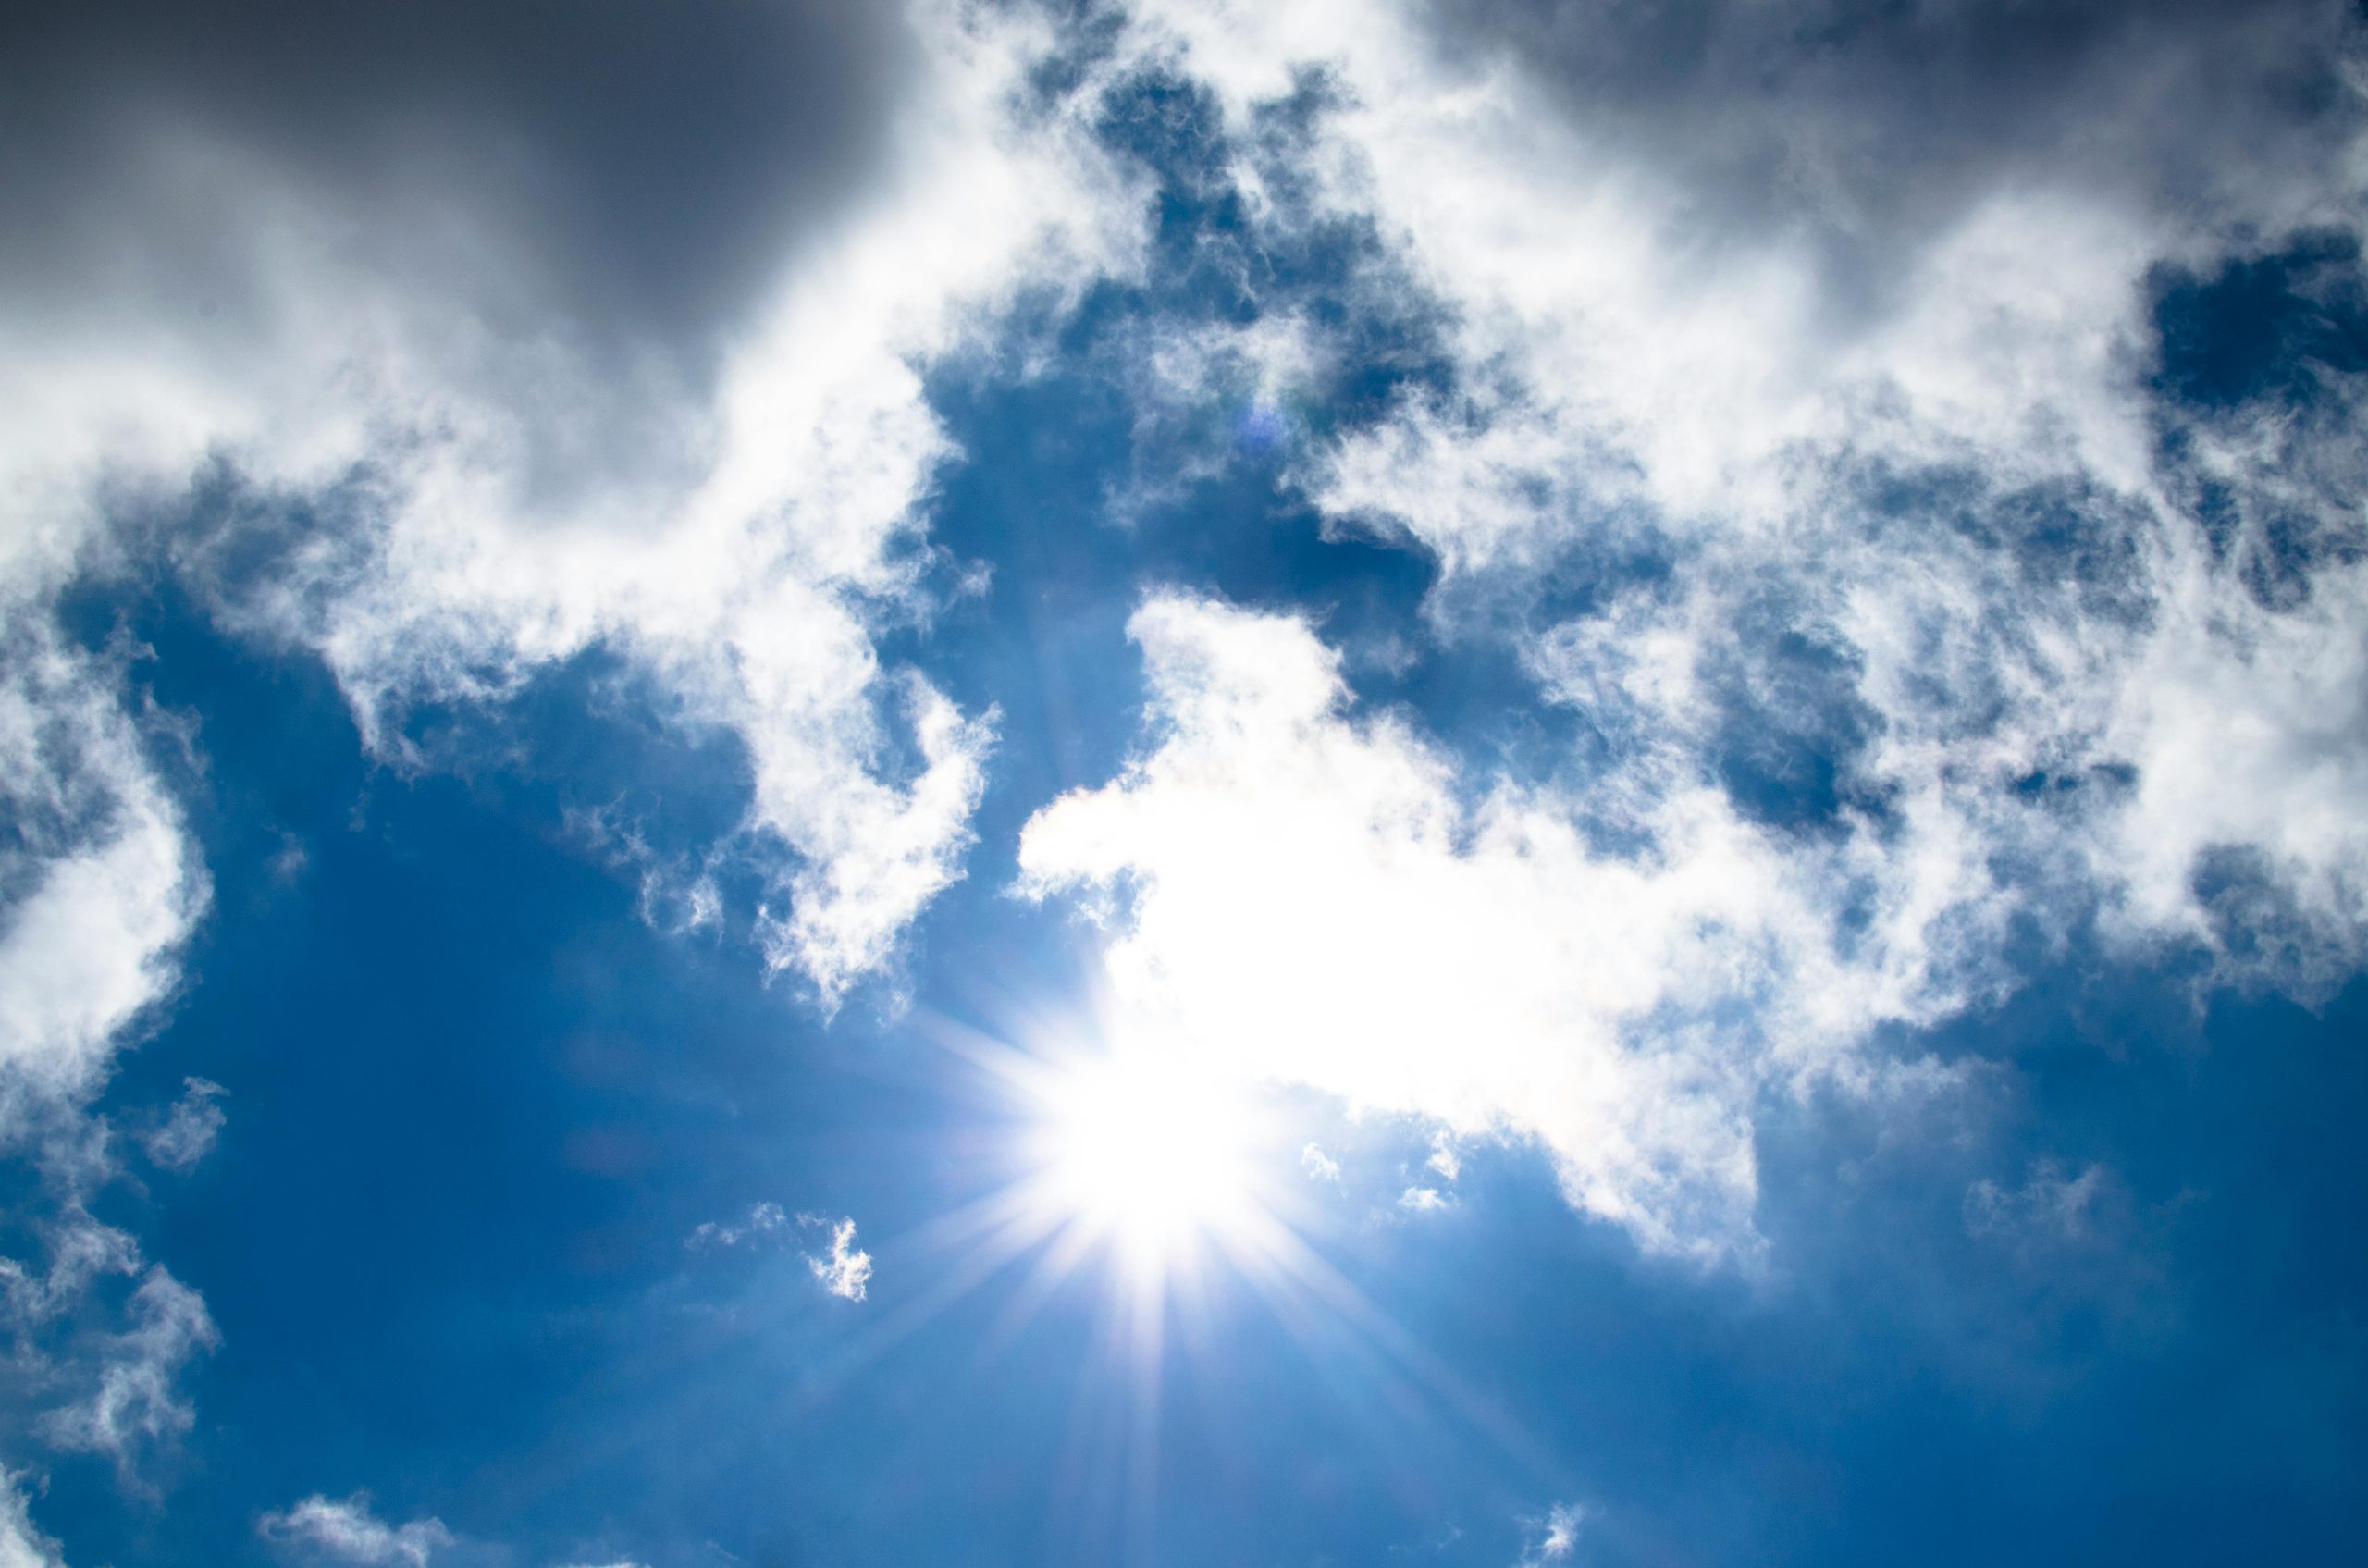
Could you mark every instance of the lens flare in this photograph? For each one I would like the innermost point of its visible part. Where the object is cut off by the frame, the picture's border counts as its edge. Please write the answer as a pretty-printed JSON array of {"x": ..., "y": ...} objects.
[{"x": 1143, "y": 1152}]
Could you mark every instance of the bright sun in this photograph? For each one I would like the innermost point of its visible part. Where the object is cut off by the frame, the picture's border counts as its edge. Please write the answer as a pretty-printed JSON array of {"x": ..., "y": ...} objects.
[{"x": 1140, "y": 1150}]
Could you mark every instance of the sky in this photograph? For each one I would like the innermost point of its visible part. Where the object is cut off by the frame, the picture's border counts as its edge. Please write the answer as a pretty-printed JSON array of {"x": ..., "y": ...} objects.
[{"x": 1327, "y": 784}]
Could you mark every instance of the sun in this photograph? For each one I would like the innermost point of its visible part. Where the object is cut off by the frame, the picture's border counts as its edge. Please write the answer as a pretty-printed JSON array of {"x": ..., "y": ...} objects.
[{"x": 1145, "y": 1151}]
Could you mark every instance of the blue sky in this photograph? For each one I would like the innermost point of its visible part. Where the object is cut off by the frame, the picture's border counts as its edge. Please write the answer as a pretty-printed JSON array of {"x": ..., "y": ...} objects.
[{"x": 1347, "y": 782}]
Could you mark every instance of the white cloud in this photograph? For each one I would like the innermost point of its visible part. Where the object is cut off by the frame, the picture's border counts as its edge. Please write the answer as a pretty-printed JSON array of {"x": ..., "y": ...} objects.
[
  {"x": 441, "y": 474},
  {"x": 101, "y": 886},
  {"x": 845, "y": 1269},
  {"x": 1317, "y": 897},
  {"x": 1672, "y": 271},
  {"x": 22, "y": 1546},
  {"x": 1693, "y": 302},
  {"x": 1319, "y": 1165},
  {"x": 1557, "y": 1539},
  {"x": 347, "y": 1529},
  {"x": 1422, "y": 1200},
  {"x": 488, "y": 516}
]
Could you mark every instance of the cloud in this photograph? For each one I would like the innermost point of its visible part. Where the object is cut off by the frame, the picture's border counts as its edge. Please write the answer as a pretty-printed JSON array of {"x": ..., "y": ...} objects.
[
  {"x": 1934, "y": 431},
  {"x": 2050, "y": 1208},
  {"x": 100, "y": 888},
  {"x": 1310, "y": 895},
  {"x": 386, "y": 342},
  {"x": 347, "y": 1530},
  {"x": 98, "y": 885},
  {"x": 187, "y": 1135},
  {"x": 844, "y": 1270},
  {"x": 1422, "y": 1200},
  {"x": 22, "y": 1545},
  {"x": 136, "y": 1404},
  {"x": 1319, "y": 1165},
  {"x": 1679, "y": 243},
  {"x": 1558, "y": 1537},
  {"x": 448, "y": 381},
  {"x": 764, "y": 1220},
  {"x": 81, "y": 1249}
]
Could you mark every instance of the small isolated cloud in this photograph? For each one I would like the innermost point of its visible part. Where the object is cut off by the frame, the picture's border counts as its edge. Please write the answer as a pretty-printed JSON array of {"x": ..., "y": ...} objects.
[
  {"x": 22, "y": 1545},
  {"x": 288, "y": 862},
  {"x": 1444, "y": 1158},
  {"x": 1558, "y": 1536},
  {"x": 187, "y": 1135},
  {"x": 764, "y": 1220},
  {"x": 348, "y": 1531},
  {"x": 844, "y": 1270},
  {"x": 1319, "y": 1165},
  {"x": 135, "y": 1402},
  {"x": 2049, "y": 1207},
  {"x": 1422, "y": 1200}
]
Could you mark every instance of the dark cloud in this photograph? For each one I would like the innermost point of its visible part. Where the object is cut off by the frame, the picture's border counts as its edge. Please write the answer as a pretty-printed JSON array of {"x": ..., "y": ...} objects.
[
  {"x": 617, "y": 178},
  {"x": 1863, "y": 125}
]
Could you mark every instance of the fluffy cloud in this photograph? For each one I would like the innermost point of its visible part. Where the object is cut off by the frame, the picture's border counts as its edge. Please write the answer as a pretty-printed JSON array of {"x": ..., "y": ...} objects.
[
  {"x": 99, "y": 888},
  {"x": 2001, "y": 368},
  {"x": 99, "y": 881},
  {"x": 1682, "y": 243},
  {"x": 390, "y": 340},
  {"x": 845, "y": 1269},
  {"x": 438, "y": 412},
  {"x": 1318, "y": 897},
  {"x": 348, "y": 1530},
  {"x": 1918, "y": 450}
]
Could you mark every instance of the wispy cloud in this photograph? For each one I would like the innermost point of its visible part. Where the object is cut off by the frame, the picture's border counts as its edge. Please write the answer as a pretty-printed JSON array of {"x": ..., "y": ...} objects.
[
  {"x": 136, "y": 1404},
  {"x": 764, "y": 1220},
  {"x": 187, "y": 1133}
]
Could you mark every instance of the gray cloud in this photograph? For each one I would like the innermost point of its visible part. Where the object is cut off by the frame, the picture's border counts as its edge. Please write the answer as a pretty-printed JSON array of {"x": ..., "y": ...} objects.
[
  {"x": 1865, "y": 126},
  {"x": 573, "y": 208},
  {"x": 654, "y": 164}
]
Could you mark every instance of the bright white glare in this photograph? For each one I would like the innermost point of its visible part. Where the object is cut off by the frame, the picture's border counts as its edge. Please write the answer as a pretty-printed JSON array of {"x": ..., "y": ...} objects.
[{"x": 1145, "y": 1151}]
